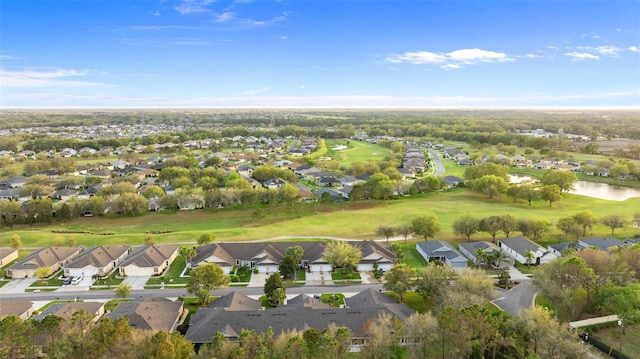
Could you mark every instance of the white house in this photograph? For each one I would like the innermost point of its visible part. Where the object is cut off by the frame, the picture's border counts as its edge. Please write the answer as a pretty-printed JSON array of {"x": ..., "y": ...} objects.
[
  {"x": 526, "y": 251},
  {"x": 443, "y": 252},
  {"x": 149, "y": 260},
  {"x": 470, "y": 249},
  {"x": 99, "y": 260}
]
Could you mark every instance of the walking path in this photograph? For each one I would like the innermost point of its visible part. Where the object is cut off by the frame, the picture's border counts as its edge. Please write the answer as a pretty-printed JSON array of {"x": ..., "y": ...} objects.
[{"x": 592, "y": 321}]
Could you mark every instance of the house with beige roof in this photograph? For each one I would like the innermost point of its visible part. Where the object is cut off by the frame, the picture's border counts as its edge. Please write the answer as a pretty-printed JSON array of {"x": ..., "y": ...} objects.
[
  {"x": 98, "y": 260},
  {"x": 7, "y": 255},
  {"x": 52, "y": 257},
  {"x": 21, "y": 308},
  {"x": 151, "y": 260},
  {"x": 151, "y": 314},
  {"x": 66, "y": 310}
]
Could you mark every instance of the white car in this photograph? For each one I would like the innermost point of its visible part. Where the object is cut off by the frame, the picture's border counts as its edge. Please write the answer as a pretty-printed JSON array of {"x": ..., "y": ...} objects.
[{"x": 76, "y": 280}]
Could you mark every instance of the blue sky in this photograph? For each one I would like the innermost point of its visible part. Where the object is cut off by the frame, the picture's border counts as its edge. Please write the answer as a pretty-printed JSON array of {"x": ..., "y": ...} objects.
[{"x": 319, "y": 53}]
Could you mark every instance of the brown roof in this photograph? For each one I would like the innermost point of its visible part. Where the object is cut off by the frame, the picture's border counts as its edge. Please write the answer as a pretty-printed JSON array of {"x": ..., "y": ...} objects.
[
  {"x": 149, "y": 313},
  {"x": 66, "y": 310},
  {"x": 99, "y": 256},
  {"x": 46, "y": 257},
  {"x": 14, "y": 307},
  {"x": 6, "y": 251},
  {"x": 150, "y": 256}
]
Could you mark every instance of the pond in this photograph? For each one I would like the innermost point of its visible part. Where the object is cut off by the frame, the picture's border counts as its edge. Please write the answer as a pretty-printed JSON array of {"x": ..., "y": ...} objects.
[{"x": 592, "y": 189}]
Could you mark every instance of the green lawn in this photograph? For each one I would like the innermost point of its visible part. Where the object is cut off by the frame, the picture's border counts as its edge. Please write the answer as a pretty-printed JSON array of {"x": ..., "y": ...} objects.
[
  {"x": 244, "y": 273},
  {"x": 411, "y": 256},
  {"x": 348, "y": 274},
  {"x": 54, "y": 281},
  {"x": 172, "y": 275},
  {"x": 357, "y": 151},
  {"x": 3, "y": 282},
  {"x": 361, "y": 221},
  {"x": 333, "y": 299},
  {"x": 630, "y": 339}
]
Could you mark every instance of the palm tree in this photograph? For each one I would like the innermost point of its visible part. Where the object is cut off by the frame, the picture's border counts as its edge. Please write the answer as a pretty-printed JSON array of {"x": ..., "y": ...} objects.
[
  {"x": 497, "y": 257},
  {"x": 530, "y": 256},
  {"x": 482, "y": 256}
]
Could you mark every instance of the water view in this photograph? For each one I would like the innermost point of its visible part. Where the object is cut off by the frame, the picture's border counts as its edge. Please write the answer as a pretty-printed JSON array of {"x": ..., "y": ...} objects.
[{"x": 592, "y": 189}]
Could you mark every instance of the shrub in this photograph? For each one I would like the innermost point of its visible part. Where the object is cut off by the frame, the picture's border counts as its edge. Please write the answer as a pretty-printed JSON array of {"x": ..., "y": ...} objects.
[
  {"x": 235, "y": 278},
  {"x": 255, "y": 271}
]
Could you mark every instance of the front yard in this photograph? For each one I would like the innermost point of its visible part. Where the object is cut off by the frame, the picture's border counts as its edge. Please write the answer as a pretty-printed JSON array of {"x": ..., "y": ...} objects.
[
  {"x": 171, "y": 275},
  {"x": 348, "y": 276}
]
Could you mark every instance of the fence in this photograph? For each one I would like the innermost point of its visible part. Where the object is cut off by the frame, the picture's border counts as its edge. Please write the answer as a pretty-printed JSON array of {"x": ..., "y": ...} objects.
[{"x": 605, "y": 348}]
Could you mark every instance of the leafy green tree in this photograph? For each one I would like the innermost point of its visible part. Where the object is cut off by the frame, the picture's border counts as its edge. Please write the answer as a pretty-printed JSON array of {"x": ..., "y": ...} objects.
[
  {"x": 586, "y": 220},
  {"x": 613, "y": 221},
  {"x": 491, "y": 225},
  {"x": 16, "y": 242},
  {"x": 404, "y": 230},
  {"x": 204, "y": 278},
  {"x": 433, "y": 280},
  {"x": 425, "y": 226},
  {"x": 568, "y": 226},
  {"x": 166, "y": 345},
  {"x": 398, "y": 279},
  {"x": 490, "y": 185},
  {"x": 528, "y": 192},
  {"x": 547, "y": 337},
  {"x": 123, "y": 290},
  {"x": 296, "y": 253},
  {"x": 206, "y": 238},
  {"x": 288, "y": 267},
  {"x": 342, "y": 254},
  {"x": 508, "y": 224},
  {"x": 42, "y": 273},
  {"x": 473, "y": 173},
  {"x": 565, "y": 180},
  {"x": 385, "y": 231},
  {"x": 466, "y": 225},
  {"x": 187, "y": 253},
  {"x": 274, "y": 290},
  {"x": 551, "y": 193}
]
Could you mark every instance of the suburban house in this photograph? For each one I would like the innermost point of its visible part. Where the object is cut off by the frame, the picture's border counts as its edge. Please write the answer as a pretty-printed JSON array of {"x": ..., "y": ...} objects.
[
  {"x": 443, "y": 252},
  {"x": 99, "y": 260},
  {"x": 452, "y": 181},
  {"x": 525, "y": 251},
  {"x": 266, "y": 257},
  {"x": 600, "y": 243},
  {"x": 52, "y": 257},
  {"x": 471, "y": 250},
  {"x": 232, "y": 313},
  {"x": 376, "y": 254},
  {"x": 7, "y": 255},
  {"x": 153, "y": 314},
  {"x": 559, "y": 248},
  {"x": 149, "y": 260},
  {"x": 21, "y": 308},
  {"x": 66, "y": 310}
]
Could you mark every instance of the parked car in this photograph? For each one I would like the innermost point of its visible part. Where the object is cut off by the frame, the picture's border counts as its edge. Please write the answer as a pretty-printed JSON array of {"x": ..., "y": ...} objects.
[
  {"x": 67, "y": 280},
  {"x": 76, "y": 280}
]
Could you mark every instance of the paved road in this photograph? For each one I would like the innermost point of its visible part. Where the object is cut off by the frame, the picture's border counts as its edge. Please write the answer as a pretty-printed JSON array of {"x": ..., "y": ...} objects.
[
  {"x": 521, "y": 296},
  {"x": 437, "y": 162},
  {"x": 174, "y": 293}
]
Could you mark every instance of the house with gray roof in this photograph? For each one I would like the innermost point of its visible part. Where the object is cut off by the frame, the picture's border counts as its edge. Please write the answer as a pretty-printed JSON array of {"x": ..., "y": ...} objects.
[
  {"x": 471, "y": 249},
  {"x": 232, "y": 313},
  {"x": 98, "y": 260},
  {"x": 52, "y": 257},
  {"x": 526, "y": 251},
  {"x": 67, "y": 309},
  {"x": 151, "y": 260},
  {"x": 559, "y": 248},
  {"x": 152, "y": 314},
  {"x": 600, "y": 243},
  {"x": 443, "y": 252}
]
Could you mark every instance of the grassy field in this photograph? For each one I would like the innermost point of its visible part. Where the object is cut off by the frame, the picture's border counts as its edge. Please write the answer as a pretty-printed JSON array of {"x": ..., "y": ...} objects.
[
  {"x": 630, "y": 339},
  {"x": 357, "y": 151},
  {"x": 334, "y": 221},
  {"x": 172, "y": 275}
]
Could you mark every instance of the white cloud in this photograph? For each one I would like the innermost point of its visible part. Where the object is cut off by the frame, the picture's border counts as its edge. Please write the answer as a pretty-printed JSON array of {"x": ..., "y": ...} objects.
[
  {"x": 449, "y": 60},
  {"x": 533, "y": 56},
  {"x": 225, "y": 16},
  {"x": 582, "y": 56},
  {"x": 633, "y": 49},
  {"x": 193, "y": 6},
  {"x": 255, "y": 91},
  {"x": 53, "y": 78}
]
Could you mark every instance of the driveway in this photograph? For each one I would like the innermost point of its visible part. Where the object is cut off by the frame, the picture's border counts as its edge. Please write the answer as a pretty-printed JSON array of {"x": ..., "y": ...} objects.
[
  {"x": 258, "y": 280},
  {"x": 136, "y": 282},
  {"x": 520, "y": 296},
  {"x": 317, "y": 278},
  {"x": 17, "y": 285}
]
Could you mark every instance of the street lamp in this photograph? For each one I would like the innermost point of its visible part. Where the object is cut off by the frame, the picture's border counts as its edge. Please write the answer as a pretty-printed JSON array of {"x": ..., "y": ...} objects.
[{"x": 621, "y": 326}]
